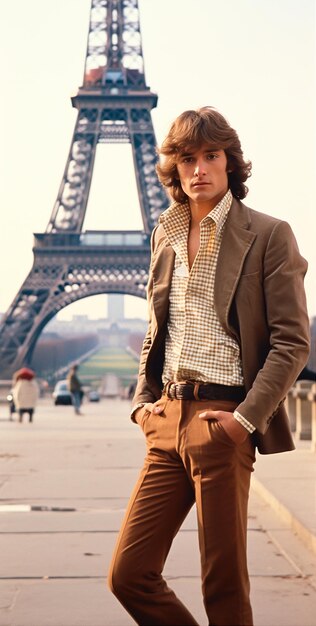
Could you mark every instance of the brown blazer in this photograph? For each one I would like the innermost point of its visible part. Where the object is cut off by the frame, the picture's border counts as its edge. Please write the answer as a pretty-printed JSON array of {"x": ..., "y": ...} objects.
[{"x": 260, "y": 301}]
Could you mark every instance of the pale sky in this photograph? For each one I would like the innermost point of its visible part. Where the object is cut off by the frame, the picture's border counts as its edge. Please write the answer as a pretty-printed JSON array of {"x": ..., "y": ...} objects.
[{"x": 254, "y": 60}]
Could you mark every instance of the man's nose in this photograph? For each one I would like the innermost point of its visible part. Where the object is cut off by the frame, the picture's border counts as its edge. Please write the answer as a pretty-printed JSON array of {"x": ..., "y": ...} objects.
[{"x": 199, "y": 169}]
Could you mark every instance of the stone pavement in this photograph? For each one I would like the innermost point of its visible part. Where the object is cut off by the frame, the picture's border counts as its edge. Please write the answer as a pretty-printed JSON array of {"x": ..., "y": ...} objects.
[{"x": 64, "y": 485}]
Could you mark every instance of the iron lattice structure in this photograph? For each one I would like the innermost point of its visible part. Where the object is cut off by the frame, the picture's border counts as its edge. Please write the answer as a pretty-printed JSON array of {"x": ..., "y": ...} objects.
[{"x": 114, "y": 106}]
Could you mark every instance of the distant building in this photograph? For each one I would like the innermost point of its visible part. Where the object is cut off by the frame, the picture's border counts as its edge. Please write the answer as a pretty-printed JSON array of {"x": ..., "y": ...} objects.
[
  {"x": 115, "y": 307},
  {"x": 83, "y": 324}
]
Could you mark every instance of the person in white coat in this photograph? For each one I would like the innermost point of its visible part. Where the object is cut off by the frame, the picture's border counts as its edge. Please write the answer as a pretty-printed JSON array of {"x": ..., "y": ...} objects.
[{"x": 25, "y": 395}]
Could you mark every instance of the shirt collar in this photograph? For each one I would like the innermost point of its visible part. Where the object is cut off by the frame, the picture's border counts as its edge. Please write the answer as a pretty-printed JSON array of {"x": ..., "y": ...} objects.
[
  {"x": 176, "y": 223},
  {"x": 220, "y": 212},
  {"x": 178, "y": 215}
]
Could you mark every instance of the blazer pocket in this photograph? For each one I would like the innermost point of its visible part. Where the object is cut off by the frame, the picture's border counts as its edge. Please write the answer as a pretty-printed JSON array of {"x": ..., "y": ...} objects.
[{"x": 251, "y": 275}]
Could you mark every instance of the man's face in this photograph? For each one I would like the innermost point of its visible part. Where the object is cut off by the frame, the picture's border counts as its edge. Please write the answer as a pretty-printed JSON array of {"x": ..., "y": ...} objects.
[{"x": 203, "y": 175}]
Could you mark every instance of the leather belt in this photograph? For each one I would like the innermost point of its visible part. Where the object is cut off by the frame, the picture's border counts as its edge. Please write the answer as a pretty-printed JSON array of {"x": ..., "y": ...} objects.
[{"x": 192, "y": 390}]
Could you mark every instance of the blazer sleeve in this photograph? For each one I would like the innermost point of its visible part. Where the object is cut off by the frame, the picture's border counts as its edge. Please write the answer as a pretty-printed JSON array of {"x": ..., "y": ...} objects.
[
  {"x": 143, "y": 392},
  {"x": 287, "y": 319}
]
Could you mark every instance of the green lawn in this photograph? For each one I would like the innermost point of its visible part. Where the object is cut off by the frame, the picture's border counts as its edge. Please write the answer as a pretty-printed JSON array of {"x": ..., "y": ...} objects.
[{"x": 108, "y": 361}]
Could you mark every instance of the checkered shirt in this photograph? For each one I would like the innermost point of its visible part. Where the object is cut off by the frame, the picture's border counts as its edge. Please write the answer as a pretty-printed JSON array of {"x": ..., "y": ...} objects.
[{"x": 197, "y": 347}]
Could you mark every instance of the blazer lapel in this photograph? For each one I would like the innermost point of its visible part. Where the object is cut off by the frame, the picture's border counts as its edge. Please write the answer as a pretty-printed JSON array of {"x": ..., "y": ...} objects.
[{"x": 236, "y": 243}]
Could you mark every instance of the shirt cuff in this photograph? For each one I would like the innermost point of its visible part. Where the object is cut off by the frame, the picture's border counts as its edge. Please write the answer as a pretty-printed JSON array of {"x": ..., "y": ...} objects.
[
  {"x": 242, "y": 420},
  {"x": 134, "y": 409}
]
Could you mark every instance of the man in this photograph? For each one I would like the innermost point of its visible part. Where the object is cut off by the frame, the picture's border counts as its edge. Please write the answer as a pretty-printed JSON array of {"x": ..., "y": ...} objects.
[
  {"x": 228, "y": 334},
  {"x": 75, "y": 388}
]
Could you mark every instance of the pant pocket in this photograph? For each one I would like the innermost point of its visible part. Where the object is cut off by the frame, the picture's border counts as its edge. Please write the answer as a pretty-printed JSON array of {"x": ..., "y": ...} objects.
[
  {"x": 218, "y": 433},
  {"x": 154, "y": 424},
  {"x": 141, "y": 417}
]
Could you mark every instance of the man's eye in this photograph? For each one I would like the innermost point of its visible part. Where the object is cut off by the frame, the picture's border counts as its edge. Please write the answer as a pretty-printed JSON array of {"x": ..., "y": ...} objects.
[{"x": 212, "y": 156}]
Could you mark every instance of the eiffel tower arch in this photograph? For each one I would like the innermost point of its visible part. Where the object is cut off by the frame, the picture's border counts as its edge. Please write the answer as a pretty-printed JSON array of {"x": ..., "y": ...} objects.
[{"x": 114, "y": 106}]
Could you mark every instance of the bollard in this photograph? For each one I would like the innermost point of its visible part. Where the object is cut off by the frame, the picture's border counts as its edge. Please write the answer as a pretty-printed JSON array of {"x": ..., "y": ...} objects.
[
  {"x": 311, "y": 396},
  {"x": 290, "y": 407},
  {"x": 303, "y": 409}
]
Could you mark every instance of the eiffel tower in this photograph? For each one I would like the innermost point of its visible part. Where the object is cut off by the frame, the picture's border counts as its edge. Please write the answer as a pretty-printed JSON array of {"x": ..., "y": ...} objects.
[{"x": 114, "y": 106}]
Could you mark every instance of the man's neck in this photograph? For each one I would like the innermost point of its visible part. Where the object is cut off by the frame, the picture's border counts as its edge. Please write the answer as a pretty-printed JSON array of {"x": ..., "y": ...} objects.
[{"x": 199, "y": 210}]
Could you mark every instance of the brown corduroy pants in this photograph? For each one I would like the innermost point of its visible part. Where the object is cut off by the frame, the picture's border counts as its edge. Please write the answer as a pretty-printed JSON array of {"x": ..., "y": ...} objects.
[{"x": 188, "y": 460}]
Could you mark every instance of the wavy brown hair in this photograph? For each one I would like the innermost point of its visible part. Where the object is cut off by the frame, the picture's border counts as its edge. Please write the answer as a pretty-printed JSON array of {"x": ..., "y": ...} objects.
[{"x": 191, "y": 130}]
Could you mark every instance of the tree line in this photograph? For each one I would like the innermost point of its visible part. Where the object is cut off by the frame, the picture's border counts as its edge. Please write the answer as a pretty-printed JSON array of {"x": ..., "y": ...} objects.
[{"x": 52, "y": 353}]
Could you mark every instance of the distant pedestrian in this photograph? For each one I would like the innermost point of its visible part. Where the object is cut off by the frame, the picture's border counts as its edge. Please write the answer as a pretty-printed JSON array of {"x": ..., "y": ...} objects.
[
  {"x": 75, "y": 388},
  {"x": 131, "y": 391},
  {"x": 25, "y": 392}
]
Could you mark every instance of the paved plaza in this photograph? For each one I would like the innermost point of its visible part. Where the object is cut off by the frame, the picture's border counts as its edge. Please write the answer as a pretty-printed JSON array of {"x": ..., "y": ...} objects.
[{"x": 64, "y": 485}]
